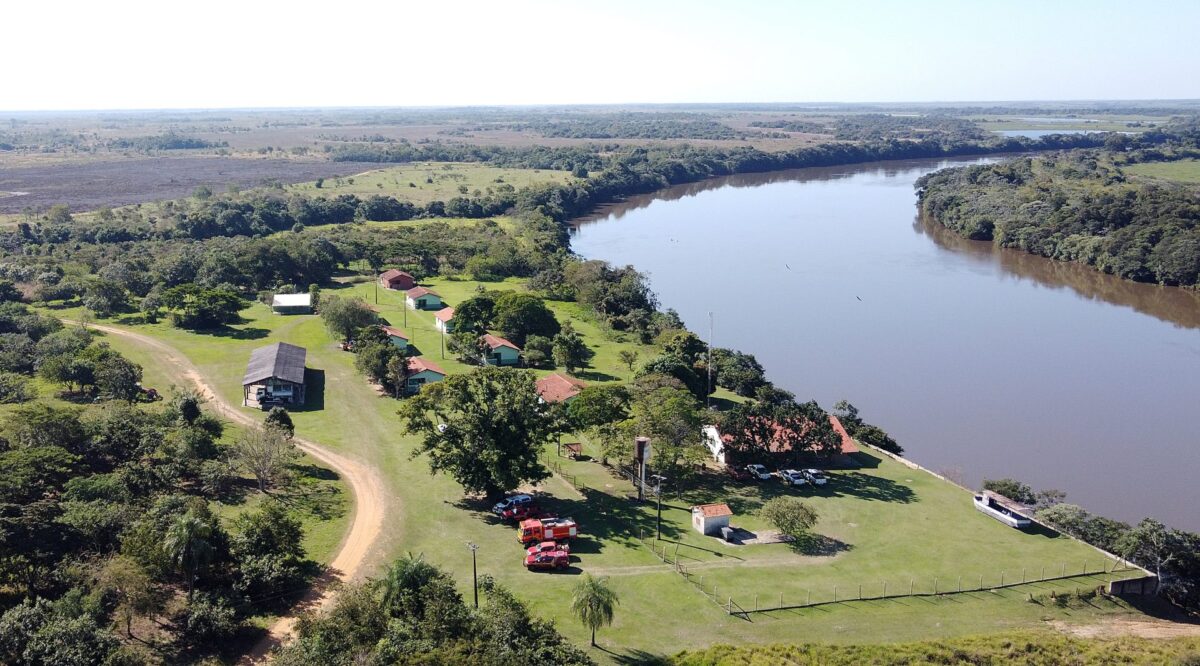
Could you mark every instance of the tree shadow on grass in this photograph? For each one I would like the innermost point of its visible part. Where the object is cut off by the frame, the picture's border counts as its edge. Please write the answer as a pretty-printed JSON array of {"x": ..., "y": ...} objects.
[
  {"x": 248, "y": 333},
  {"x": 868, "y": 487},
  {"x": 819, "y": 545},
  {"x": 636, "y": 657},
  {"x": 595, "y": 376}
]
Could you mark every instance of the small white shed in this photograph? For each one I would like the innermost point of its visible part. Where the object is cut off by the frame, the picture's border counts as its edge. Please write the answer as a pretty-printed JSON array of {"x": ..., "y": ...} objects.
[{"x": 710, "y": 518}]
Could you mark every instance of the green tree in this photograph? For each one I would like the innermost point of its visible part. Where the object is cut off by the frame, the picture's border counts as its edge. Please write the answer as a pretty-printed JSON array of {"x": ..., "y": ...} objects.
[
  {"x": 135, "y": 591},
  {"x": 538, "y": 352},
  {"x": 1154, "y": 546},
  {"x": 198, "y": 307},
  {"x": 519, "y": 315},
  {"x": 790, "y": 515},
  {"x": 671, "y": 418},
  {"x": 1012, "y": 489},
  {"x": 628, "y": 357},
  {"x": 593, "y": 602},
  {"x": 344, "y": 316},
  {"x": 486, "y": 429},
  {"x": 279, "y": 419},
  {"x": 188, "y": 545},
  {"x": 267, "y": 453},
  {"x": 59, "y": 214},
  {"x": 119, "y": 378},
  {"x": 599, "y": 410},
  {"x": 570, "y": 351},
  {"x": 475, "y": 314}
]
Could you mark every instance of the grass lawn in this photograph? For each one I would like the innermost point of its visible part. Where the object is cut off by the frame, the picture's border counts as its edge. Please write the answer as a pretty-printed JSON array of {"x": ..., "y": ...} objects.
[
  {"x": 422, "y": 182},
  {"x": 885, "y": 522},
  {"x": 1180, "y": 171}
]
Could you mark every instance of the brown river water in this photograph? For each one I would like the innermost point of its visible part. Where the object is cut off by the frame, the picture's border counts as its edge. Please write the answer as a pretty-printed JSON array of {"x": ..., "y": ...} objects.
[{"x": 982, "y": 363}]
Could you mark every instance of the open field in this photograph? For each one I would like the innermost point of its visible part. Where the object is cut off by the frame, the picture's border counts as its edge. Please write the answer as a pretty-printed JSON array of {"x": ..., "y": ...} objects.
[
  {"x": 422, "y": 182},
  {"x": 884, "y": 523},
  {"x": 116, "y": 182},
  {"x": 1098, "y": 123},
  {"x": 1180, "y": 171}
]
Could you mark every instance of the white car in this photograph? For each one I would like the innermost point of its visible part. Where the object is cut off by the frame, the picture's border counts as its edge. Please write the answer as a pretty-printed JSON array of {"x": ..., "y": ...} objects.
[
  {"x": 792, "y": 477},
  {"x": 816, "y": 477},
  {"x": 758, "y": 472},
  {"x": 512, "y": 502}
]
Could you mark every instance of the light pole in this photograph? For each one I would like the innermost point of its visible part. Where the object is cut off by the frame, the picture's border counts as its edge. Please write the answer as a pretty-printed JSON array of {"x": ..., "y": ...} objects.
[
  {"x": 474, "y": 571},
  {"x": 658, "y": 481}
]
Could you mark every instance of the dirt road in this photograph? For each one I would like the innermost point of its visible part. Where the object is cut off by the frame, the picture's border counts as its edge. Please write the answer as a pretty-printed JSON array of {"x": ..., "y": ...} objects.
[{"x": 365, "y": 484}]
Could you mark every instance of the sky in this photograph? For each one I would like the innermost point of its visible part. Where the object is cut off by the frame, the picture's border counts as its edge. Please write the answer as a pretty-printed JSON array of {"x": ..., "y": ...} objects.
[{"x": 126, "y": 54}]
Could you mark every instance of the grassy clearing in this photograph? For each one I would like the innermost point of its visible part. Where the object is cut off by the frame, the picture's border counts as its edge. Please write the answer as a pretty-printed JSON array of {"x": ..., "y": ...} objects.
[
  {"x": 889, "y": 523},
  {"x": 1180, "y": 171},
  {"x": 422, "y": 182}
]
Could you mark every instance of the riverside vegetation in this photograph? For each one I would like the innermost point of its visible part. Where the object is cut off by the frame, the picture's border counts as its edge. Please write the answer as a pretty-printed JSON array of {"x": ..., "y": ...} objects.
[{"x": 1089, "y": 206}]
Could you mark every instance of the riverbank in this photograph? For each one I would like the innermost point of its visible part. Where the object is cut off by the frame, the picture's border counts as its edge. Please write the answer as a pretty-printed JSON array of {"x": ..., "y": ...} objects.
[{"x": 940, "y": 340}]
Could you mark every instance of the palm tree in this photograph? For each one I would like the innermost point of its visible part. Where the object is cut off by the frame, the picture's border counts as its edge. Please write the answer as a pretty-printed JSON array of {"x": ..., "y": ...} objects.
[
  {"x": 402, "y": 582},
  {"x": 187, "y": 544},
  {"x": 593, "y": 603}
]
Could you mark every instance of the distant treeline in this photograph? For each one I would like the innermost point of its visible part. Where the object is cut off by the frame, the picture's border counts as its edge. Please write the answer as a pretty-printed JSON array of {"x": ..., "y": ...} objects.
[
  {"x": 168, "y": 141},
  {"x": 879, "y": 127},
  {"x": 1073, "y": 207},
  {"x": 632, "y": 126},
  {"x": 621, "y": 172}
]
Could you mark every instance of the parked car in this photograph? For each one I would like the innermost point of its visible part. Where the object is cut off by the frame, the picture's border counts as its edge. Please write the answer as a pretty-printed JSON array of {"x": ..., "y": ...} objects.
[
  {"x": 522, "y": 512},
  {"x": 554, "y": 559},
  {"x": 548, "y": 547},
  {"x": 792, "y": 477},
  {"x": 512, "y": 502},
  {"x": 759, "y": 472},
  {"x": 816, "y": 477}
]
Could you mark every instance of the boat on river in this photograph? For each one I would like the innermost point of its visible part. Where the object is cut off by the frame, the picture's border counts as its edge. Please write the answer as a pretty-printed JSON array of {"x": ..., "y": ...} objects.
[{"x": 1003, "y": 509}]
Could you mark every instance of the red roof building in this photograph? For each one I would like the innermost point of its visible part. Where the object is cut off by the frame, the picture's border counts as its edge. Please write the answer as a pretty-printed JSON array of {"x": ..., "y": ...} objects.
[
  {"x": 394, "y": 332},
  {"x": 397, "y": 279},
  {"x": 417, "y": 292},
  {"x": 495, "y": 342},
  {"x": 558, "y": 388},
  {"x": 419, "y": 365}
]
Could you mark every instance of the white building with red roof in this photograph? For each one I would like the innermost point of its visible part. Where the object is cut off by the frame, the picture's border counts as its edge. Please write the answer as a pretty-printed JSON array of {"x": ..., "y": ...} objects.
[
  {"x": 558, "y": 388},
  {"x": 420, "y": 373},
  {"x": 499, "y": 351},
  {"x": 444, "y": 320},
  {"x": 423, "y": 298}
]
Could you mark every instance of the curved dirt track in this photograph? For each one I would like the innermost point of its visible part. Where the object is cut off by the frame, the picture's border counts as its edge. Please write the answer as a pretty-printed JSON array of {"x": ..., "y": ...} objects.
[{"x": 365, "y": 484}]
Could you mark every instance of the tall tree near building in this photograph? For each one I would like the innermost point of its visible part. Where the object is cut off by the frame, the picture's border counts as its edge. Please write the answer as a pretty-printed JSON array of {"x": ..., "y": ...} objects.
[{"x": 485, "y": 429}]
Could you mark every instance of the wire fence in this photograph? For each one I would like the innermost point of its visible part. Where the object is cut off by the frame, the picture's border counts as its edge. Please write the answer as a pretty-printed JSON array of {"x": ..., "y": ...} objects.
[
  {"x": 880, "y": 590},
  {"x": 557, "y": 467}
]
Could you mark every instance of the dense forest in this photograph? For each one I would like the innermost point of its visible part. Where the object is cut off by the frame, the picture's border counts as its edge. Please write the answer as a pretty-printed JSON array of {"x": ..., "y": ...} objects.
[{"x": 1076, "y": 207}]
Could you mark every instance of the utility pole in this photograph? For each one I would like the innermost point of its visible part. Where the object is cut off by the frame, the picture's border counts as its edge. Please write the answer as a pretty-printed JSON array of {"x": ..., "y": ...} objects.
[
  {"x": 658, "y": 478},
  {"x": 442, "y": 329},
  {"x": 474, "y": 571}
]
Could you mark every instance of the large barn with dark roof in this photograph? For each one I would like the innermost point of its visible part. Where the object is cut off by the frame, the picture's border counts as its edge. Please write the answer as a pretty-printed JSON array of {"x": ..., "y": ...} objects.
[{"x": 274, "y": 376}]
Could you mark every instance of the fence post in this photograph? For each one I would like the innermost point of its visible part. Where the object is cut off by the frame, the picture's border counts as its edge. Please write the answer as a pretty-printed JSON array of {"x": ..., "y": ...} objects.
[
  {"x": 960, "y": 583},
  {"x": 1064, "y": 570},
  {"x": 835, "y": 594},
  {"x": 1001, "y": 579},
  {"x": 756, "y": 603},
  {"x": 910, "y": 586},
  {"x": 935, "y": 585},
  {"x": 860, "y": 591},
  {"x": 980, "y": 582},
  {"x": 1043, "y": 573},
  {"x": 807, "y": 599},
  {"x": 781, "y": 601},
  {"x": 1022, "y": 574},
  {"x": 885, "y": 588},
  {"x": 676, "y": 555}
]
